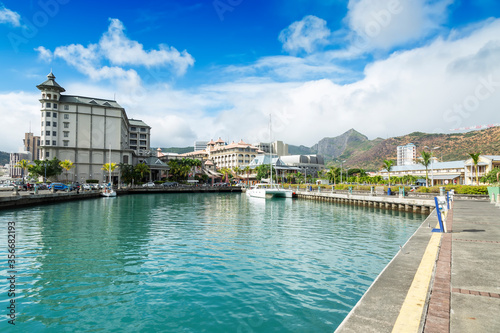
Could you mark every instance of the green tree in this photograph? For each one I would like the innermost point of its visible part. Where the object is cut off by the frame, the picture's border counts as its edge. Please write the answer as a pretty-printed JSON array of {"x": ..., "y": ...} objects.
[
  {"x": 492, "y": 176},
  {"x": 426, "y": 161},
  {"x": 23, "y": 164},
  {"x": 128, "y": 173},
  {"x": 66, "y": 165},
  {"x": 332, "y": 174},
  {"x": 387, "y": 165},
  {"x": 142, "y": 169},
  {"x": 475, "y": 160},
  {"x": 247, "y": 171},
  {"x": 45, "y": 168}
]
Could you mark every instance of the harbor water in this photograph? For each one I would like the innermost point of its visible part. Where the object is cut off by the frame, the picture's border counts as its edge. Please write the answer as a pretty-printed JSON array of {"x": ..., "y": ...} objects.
[{"x": 193, "y": 263}]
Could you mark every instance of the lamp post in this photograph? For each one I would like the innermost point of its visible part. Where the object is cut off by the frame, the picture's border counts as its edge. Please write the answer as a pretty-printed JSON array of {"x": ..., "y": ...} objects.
[
  {"x": 341, "y": 170},
  {"x": 432, "y": 164}
]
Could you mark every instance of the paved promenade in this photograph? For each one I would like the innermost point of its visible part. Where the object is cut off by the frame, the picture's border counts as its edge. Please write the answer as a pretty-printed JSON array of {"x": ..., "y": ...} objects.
[{"x": 439, "y": 282}]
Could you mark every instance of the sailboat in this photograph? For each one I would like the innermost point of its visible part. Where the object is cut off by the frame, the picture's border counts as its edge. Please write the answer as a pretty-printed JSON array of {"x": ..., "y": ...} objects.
[
  {"x": 108, "y": 189},
  {"x": 271, "y": 190}
]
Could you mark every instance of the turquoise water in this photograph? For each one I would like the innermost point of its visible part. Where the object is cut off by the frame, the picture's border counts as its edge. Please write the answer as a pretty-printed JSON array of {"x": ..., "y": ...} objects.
[{"x": 195, "y": 263}]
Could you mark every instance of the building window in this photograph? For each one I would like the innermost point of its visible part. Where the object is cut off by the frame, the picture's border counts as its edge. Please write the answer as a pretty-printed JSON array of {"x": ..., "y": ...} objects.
[
  {"x": 133, "y": 147},
  {"x": 66, "y": 143},
  {"x": 66, "y": 134},
  {"x": 47, "y": 123},
  {"x": 125, "y": 159},
  {"x": 133, "y": 129},
  {"x": 143, "y": 136},
  {"x": 143, "y": 142},
  {"x": 54, "y": 133},
  {"x": 133, "y": 136},
  {"x": 54, "y": 143},
  {"x": 66, "y": 116},
  {"x": 143, "y": 129},
  {"x": 54, "y": 124},
  {"x": 47, "y": 142},
  {"x": 47, "y": 154},
  {"x": 47, "y": 113},
  {"x": 55, "y": 105},
  {"x": 66, "y": 125},
  {"x": 133, "y": 142},
  {"x": 48, "y": 105},
  {"x": 54, "y": 114},
  {"x": 42, "y": 123},
  {"x": 66, "y": 107},
  {"x": 47, "y": 133},
  {"x": 49, "y": 96}
]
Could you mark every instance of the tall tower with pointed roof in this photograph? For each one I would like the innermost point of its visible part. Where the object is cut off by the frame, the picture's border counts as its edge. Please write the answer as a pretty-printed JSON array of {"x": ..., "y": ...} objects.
[{"x": 87, "y": 131}]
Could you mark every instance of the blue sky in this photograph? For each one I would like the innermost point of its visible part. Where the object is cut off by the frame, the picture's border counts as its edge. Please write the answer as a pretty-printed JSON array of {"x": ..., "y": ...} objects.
[{"x": 196, "y": 70}]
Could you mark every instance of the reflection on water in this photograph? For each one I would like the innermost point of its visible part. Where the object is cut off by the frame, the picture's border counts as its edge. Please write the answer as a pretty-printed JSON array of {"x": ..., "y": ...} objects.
[{"x": 197, "y": 262}]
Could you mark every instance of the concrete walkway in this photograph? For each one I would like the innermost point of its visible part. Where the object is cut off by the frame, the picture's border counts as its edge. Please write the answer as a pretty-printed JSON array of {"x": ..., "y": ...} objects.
[
  {"x": 464, "y": 292},
  {"x": 473, "y": 250}
]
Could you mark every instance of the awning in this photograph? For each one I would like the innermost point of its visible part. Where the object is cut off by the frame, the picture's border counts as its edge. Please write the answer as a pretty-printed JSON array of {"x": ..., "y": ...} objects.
[{"x": 444, "y": 177}]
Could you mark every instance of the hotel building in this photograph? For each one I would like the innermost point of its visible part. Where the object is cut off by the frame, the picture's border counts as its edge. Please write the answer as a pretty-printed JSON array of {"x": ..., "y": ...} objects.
[
  {"x": 407, "y": 154},
  {"x": 89, "y": 132}
]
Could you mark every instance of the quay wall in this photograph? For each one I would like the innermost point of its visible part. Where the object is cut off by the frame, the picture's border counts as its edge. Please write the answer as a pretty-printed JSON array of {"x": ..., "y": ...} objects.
[
  {"x": 407, "y": 204},
  {"x": 8, "y": 200}
]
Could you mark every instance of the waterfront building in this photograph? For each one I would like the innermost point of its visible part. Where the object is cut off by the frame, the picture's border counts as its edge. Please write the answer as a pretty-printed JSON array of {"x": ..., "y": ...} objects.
[
  {"x": 32, "y": 144},
  {"x": 89, "y": 132},
  {"x": 277, "y": 147},
  {"x": 439, "y": 173},
  {"x": 231, "y": 155},
  {"x": 485, "y": 164},
  {"x": 407, "y": 154},
  {"x": 200, "y": 145},
  {"x": 308, "y": 164},
  {"x": 14, "y": 158}
]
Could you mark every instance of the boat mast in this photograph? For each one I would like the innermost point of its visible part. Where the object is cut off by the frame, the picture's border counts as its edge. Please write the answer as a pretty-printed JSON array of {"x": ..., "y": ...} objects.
[{"x": 270, "y": 155}]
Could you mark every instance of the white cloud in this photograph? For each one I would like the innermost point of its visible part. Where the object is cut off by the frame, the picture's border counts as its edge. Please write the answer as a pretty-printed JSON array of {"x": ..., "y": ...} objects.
[
  {"x": 9, "y": 17},
  {"x": 383, "y": 24},
  {"x": 120, "y": 50},
  {"x": 449, "y": 82},
  {"x": 20, "y": 111},
  {"x": 305, "y": 35},
  {"x": 117, "y": 50}
]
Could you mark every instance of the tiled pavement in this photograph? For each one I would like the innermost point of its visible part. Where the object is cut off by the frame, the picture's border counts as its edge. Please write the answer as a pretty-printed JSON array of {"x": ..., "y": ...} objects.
[{"x": 465, "y": 290}]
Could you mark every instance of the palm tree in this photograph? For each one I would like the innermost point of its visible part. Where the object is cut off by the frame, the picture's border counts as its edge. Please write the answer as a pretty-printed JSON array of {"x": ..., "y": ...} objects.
[
  {"x": 247, "y": 170},
  {"x": 388, "y": 166},
  {"x": 331, "y": 174},
  {"x": 67, "y": 165},
  {"x": 426, "y": 161},
  {"x": 141, "y": 168},
  {"x": 23, "y": 164},
  {"x": 109, "y": 167},
  {"x": 475, "y": 159}
]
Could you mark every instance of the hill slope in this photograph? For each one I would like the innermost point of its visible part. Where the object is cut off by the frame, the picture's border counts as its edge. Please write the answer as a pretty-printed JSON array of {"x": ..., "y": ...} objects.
[{"x": 359, "y": 152}]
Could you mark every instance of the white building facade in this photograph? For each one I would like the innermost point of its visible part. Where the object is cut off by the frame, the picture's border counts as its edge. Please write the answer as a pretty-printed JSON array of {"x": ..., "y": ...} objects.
[
  {"x": 407, "y": 154},
  {"x": 87, "y": 131}
]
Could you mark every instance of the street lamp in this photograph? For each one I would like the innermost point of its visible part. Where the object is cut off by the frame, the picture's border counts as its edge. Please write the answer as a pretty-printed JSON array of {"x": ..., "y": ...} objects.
[
  {"x": 341, "y": 171},
  {"x": 432, "y": 164}
]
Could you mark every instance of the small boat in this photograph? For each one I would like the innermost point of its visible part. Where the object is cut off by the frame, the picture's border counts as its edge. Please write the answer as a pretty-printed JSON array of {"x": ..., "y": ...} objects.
[
  {"x": 269, "y": 191},
  {"x": 108, "y": 191}
]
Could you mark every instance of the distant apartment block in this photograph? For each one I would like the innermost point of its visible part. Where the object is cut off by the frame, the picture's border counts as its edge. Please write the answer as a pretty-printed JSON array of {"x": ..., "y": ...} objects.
[
  {"x": 200, "y": 145},
  {"x": 277, "y": 147},
  {"x": 32, "y": 145},
  {"x": 89, "y": 132},
  {"x": 14, "y": 158},
  {"x": 407, "y": 154}
]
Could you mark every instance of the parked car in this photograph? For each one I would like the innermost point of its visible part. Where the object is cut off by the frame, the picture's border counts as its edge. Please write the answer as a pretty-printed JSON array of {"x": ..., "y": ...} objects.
[
  {"x": 86, "y": 187},
  {"x": 148, "y": 184},
  {"x": 170, "y": 184},
  {"x": 59, "y": 187},
  {"x": 7, "y": 187}
]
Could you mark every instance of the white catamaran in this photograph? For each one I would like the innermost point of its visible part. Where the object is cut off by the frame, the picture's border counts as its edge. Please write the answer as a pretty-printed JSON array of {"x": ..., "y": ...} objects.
[{"x": 270, "y": 190}]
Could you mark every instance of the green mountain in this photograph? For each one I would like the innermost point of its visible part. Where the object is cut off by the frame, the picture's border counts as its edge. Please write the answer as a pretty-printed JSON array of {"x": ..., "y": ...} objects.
[
  {"x": 4, "y": 158},
  {"x": 360, "y": 152}
]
